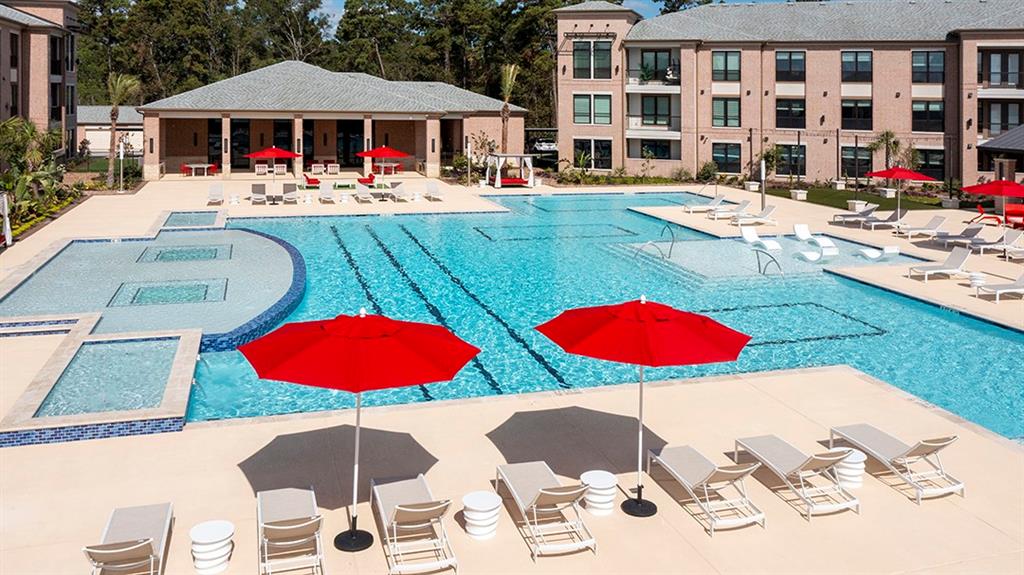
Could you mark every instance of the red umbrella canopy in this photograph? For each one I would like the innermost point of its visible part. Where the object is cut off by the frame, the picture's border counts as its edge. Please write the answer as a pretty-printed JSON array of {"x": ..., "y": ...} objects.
[
  {"x": 898, "y": 173},
  {"x": 359, "y": 353},
  {"x": 382, "y": 152},
  {"x": 273, "y": 152},
  {"x": 1003, "y": 188},
  {"x": 644, "y": 333}
]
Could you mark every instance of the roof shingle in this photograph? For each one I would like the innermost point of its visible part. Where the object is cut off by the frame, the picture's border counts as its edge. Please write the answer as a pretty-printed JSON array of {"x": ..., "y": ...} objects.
[
  {"x": 126, "y": 115},
  {"x": 1010, "y": 141}
]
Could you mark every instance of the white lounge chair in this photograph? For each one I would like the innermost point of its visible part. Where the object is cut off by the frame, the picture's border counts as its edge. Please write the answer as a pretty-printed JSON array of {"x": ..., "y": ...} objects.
[
  {"x": 899, "y": 457},
  {"x": 707, "y": 484},
  {"x": 931, "y": 229},
  {"x": 326, "y": 192},
  {"x": 414, "y": 533},
  {"x": 796, "y": 469},
  {"x": 729, "y": 211},
  {"x": 134, "y": 541},
  {"x": 400, "y": 194},
  {"x": 1016, "y": 287},
  {"x": 751, "y": 237},
  {"x": 954, "y": 265},
  {"x": 764, "y": 217},
  {"x": 363, "y": 194},
  {"x": 288, "y": 525},
  {"x": 893, "y": 220},
  {"x": 433, "y": 194},
  {"x": 216, "y": 193},
  {"x": 1014, "y": 253},
  {"x": 883, "y": 254},
  {"x": 1010, "y": 240},
  {"x": 965, "y": 237},
  {"x": 258, "y": 193},
  {"x": 290, "y": 193},
  {"x": 701, "y": 208},
  {"x": 549, "y": 510},
  {"x": 855, "y": 217},
  {"x": 826, "y": 247}
]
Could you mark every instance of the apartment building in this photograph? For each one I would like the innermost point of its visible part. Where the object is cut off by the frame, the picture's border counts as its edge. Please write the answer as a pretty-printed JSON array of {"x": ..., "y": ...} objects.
[
  {"x": 821, "y": 80},
  {"x": 38, "y": 66}
]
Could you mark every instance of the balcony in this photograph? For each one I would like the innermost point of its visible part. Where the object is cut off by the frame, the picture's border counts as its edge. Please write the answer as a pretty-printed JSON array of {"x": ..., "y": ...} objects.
[
  {"x": 652, "y": 126},
  {"x": 651, "y": 80}
]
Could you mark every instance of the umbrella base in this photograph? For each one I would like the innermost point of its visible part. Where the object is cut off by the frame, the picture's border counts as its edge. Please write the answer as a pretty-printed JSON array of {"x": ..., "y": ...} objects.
[
  {"x": 639, "y": 507},
  {"x": 353, "y": 540}
]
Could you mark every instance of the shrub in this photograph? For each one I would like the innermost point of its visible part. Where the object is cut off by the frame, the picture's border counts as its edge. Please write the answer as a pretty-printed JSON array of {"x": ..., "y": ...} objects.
[
  {"x": 682, "y": 175},
  {"x": 707, "y": 172}
]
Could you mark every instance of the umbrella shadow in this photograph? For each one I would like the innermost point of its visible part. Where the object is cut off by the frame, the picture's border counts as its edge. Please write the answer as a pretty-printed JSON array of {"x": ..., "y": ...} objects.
[
  {"x": 572, "y": 440},
  {"x": 322, "y": 459}
]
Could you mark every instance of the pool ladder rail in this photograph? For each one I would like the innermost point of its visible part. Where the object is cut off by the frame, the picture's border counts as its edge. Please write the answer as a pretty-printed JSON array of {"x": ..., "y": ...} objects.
[
  {"x": 763, "y": 269},
  {"x": 655, "y": 245}
]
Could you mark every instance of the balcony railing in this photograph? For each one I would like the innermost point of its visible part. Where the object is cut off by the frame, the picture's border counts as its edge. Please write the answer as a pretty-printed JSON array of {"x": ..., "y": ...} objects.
[
  {"x": 652, "y": 122},
  {"x": 668, "y": 76},
  {"x": 1012, "y": 81}
]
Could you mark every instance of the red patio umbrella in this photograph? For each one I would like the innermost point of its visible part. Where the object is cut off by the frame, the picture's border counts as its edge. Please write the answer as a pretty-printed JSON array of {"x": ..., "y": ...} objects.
[
  {"x": 356, "y": 354},
  {"x": 645, "y": 334},
  {"x": 273, "y": 153},
  {"x": 901, "y": 174},
  {"x": 382, "y": 153},
  {"x": 1003, "y": 188}
]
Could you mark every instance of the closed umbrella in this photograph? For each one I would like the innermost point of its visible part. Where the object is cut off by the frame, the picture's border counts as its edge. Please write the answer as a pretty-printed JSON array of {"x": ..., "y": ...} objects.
[
  {"x": 646, "y": 334},
  {"x": 356, "y": 354}
]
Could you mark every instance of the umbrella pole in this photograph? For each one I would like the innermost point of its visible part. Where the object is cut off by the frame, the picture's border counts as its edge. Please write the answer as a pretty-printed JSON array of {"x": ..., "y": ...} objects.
[
  {"x": 355, "y": 539},
  {"x": 640, "y": 507}
]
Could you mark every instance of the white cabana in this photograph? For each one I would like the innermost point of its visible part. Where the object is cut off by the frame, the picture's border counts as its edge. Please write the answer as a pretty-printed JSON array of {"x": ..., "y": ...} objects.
[{"x": 496, "y": 162}]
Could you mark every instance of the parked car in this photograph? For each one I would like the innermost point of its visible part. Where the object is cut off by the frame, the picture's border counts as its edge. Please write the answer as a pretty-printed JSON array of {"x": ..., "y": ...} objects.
[{"x": 541, "y": 146}]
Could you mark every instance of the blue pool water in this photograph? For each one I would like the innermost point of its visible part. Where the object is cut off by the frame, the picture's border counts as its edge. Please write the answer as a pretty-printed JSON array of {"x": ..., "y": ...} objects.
[
  {"x": 190, "y": 219},
  {"x": 492, "y": 277}
]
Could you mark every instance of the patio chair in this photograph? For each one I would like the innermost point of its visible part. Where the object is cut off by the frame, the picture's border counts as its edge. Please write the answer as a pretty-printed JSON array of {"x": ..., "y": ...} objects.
[
  {"x": 701, "y": 208},
  {"x": 326, "y": 193},
  {"x": 261, "y": 169},
  {"x": 258, "y": 194},
  {"x": 280, "y": 169},
  {"x": 729, "y": 211},
  {"x": 965, "y": 237},
  {"x": 706, "y": 484},
  {"x": 213, "y": 169},
  {"x": 1016, "y": 287},
  {"x": 954, "y": 265},
  {"x": 899, "y": 457},
  {"x": 290, "y": 193},
  {"x": 796, "y": 469},
  {"x": 752, "y": 239},
  {"x": 877, "y": 255},
  {"x": 134, "y": 541},
  {"x": 363, "y": 194},
  {"x": 400, "y": 194},
  {"x": 764, "y": 217},
  {"x": 893, "y": 220},
  {"x": 367, "y": 181},
  {"x": 982, "y": 216},
  {"x": 433, "y": 194},
  {"x": 310, "y": 182},
  {"x": 930, "y": 230},
  {"x": 550, "y": 511},
  {"x": 215, "y": 195},
  {"x": 411, "y": 519},
  {"x": 855, "y": 217},
  {"x": 333, "y": 169},
  {"x": 288, "y": 526},
  {"x": 826, "y": 247},
  {"x": 1014, "y": 253},
  {"x": 1010, "y": 239}
]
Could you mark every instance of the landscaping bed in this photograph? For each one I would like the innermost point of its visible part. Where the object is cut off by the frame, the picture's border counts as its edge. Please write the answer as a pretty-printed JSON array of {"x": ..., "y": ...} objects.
[{"x": 838, "y": 198}]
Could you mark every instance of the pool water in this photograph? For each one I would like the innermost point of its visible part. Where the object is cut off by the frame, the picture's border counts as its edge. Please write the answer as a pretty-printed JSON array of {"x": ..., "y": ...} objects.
[
  {"x": 492, "y": 277},
  {"x": 190, "y": 219},
  {"x": 112, "y": 376}
]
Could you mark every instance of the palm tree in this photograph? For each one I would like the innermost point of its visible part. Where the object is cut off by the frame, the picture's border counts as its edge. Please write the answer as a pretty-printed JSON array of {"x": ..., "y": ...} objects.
[
  {"x": 509, "y": 73},
  {"x": 121, "y": 88}
]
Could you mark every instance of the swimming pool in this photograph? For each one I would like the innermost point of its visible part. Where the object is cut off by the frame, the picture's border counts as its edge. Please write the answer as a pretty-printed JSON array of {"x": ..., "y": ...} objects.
[{"x": 492, "y": 277}]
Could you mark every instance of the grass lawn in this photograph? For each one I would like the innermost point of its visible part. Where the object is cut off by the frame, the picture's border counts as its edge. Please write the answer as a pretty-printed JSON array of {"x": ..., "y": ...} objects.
[
  {"x": 98, "y": 164},
  {"x": 837, "y": 199}
]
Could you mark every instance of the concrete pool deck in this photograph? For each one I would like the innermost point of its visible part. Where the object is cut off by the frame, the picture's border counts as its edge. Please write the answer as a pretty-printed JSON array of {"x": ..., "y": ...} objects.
[{"x": 56, "y": 498}]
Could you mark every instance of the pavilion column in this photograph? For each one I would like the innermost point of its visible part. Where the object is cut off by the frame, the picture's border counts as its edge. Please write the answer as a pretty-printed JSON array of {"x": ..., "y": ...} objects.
[
  {"x": 151, "y": 147},
  {"x": 433, "y": 168},
  {"x": 298, "y": 164},
  {"x": 225, "y": 143},
  {"x": 367, "y": 144}
]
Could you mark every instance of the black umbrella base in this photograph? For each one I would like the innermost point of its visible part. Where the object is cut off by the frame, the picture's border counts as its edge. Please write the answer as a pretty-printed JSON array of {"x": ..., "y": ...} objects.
[
  {"x": 353, "y": 540},
  {"x": 639, "y": 507}
]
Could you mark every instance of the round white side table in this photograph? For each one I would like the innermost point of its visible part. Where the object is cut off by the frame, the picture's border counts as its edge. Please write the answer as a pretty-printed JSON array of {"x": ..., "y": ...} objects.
[
  {"x": 212, "y": 546},
  {"x": 480, "y": 510},
  {"x": 600, "y": 495},
  {"x": 978, "y": 280},
  {"x": 850, "y": 471}
]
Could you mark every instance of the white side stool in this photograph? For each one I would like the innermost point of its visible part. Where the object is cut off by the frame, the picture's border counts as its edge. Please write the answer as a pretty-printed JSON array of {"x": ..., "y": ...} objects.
[
  {"x": 601, "y": 486},
  {"x": 851, "y": 470},
  {"x": 480, "y": 509},
  {"x": 212, "y": 546},
  {"x": 977, "y": 280}
]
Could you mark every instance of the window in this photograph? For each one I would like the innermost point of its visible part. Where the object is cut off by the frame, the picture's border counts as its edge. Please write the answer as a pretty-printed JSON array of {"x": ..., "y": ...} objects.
[
  {"x": 928, "y": 116},
  {"x": 56, "y": 56},
  {"x": 214, "y": 140},
  {"x": 656, "y": 110},
  {"x": 855, "y": 162},
  {"x": 659, "y": 149},
  {"x": 928, "y": 67},
  {"x": 15, "y": 99},
  {"x": 55, "y": 101},
  {"x": 856, "y": 66},
  {"x": 597, "y": 153},
  {"x": 789, "y": 67},
  {"x": 725, "y": 112},
  {"x": 1004, "y": 69},
  {"x": 792, "y": 160},
  {"x": 70, "y": 55},
  {"x": 790, "y": 114},
  {"x": 654, "y": 64},
  {"x": 603, "y": 109},
  {"x": 72, "y": 102},
  {"x": 592, "y": 109},
  {"x": 15, "y": 49},
  {"x": 725, "y": 66},
  {"x": 726, "y": 157},
  {"x": 591, "y": 60},
  {"x": 933, "y": 163},
  {"x": 856, "y": 114},
  {"x": 581, "y": 109},
  {"x": 1003, "y": 116}
]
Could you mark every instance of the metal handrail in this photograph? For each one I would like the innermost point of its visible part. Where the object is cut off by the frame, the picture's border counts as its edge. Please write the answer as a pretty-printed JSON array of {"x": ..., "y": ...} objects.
[
  {"x": 653, "y": 244},
  {"x": 763, "y": 270},
  {"x": 672, "y": 232}
]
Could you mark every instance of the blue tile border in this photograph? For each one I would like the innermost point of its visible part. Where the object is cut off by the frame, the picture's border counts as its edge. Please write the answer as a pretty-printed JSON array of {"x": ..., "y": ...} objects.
[{"x": 90, "y": 431}]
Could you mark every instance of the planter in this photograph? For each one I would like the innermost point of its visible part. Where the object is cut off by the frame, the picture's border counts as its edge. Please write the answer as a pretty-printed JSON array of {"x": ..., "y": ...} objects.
[
  {"x": 798, "y": 195},
  {"x": 951, "y": 203},
  {"x": 753, "y": 186},
  {"x": 537, "y": 182},
  {"x": 838, "y": 185},
  {"x": 483, "y": 183},
  {"x": 856, "y": 205},
  {"x": 887, "y": 193}
]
